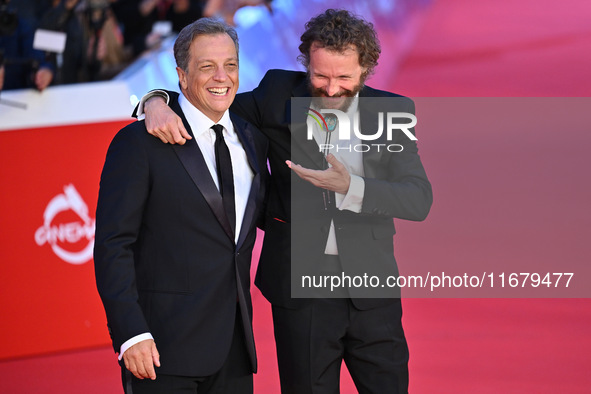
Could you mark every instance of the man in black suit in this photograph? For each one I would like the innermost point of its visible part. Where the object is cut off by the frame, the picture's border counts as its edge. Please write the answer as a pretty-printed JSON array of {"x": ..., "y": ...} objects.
[
  {"x": 340, "y": 217},
  {"x": 175, "y": 228}
]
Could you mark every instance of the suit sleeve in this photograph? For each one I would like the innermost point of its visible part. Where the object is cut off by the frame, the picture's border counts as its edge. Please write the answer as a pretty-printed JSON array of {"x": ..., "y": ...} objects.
[
  {"x": 123, "y": 193},
  {"x": 138, "y": 111},
  {"x": 399, "y": 187},
  {"x": 251, "y": 106}
]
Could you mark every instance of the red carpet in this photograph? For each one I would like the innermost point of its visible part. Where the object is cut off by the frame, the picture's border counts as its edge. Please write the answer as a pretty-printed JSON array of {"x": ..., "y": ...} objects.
[{"x": 457, "y": 346}]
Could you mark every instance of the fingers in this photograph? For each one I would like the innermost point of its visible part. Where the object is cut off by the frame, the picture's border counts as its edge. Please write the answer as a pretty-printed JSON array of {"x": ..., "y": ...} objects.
[
  {"x": 43, "y": 78},
  {"x": 1, "y": 76},
  {"x": 332, "y": 160},
  {"x": 164, "y": 123},
  {"x": 180, "y": 134},
  {"x": 167, "y": 134},
  {"x": 155, "y": 356},
  {"x": 159, "y": 135},
  {"x": 302, "y": 172},
  {"x": 141, "y": 358},
  {"x": 150, "y": 372},
  {"x": 305, "y": 173},
  {"x": 336, "y": 178}
]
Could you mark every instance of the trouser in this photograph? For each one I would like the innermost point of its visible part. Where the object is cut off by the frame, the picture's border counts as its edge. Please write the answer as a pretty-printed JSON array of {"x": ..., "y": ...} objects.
[
  {"x": 313, "y": 341},
  {"x": 235, "y": 376}
]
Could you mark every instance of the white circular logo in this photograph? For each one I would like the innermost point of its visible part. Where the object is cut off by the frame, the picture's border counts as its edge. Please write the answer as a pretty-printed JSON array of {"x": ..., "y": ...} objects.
[{"x": 63, "y": 234}]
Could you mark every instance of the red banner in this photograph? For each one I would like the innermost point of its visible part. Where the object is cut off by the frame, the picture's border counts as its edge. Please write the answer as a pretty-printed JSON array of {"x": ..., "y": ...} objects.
[{"x": 50, "y": 180}]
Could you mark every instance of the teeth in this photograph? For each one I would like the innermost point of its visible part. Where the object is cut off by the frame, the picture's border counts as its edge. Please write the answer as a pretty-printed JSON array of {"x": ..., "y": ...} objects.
[{"x": 218, "y": 91}]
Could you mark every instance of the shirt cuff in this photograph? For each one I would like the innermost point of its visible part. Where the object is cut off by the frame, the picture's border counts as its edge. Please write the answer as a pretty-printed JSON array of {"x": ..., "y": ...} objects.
[
  {"x": 353, "y": 200},
  {"x": 130, "y": 342},
  {"x": 152, "y": 93}
]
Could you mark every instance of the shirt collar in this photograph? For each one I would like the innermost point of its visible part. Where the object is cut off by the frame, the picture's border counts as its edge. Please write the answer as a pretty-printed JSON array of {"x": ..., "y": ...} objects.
[{"x": 199, "y": 122}]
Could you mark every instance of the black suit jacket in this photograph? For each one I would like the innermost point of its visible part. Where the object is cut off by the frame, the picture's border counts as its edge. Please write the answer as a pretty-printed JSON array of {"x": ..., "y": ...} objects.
[
  {"x": 165, "y": 259},
  {"x": 296, "y": 225}
]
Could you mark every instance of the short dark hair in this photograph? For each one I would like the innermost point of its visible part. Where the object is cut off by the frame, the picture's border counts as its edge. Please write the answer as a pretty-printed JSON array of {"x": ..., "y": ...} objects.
[
  {"x": 336, "y": 30},
  {"x": 201, "y": 27}
]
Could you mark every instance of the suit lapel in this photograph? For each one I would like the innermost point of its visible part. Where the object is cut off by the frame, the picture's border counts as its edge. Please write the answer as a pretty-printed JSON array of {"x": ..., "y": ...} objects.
[
  {"x": 242, "y": 129},
  {"x": 296, "y": 117},
  {"x": 245, "y": 136},
  {"x": 368, "y": 121},
  {"x": 192, "y": 159}
]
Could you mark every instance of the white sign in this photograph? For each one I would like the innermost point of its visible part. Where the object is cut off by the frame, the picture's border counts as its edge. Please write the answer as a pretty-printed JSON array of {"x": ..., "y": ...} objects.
[{"x": 49, "y": 40}]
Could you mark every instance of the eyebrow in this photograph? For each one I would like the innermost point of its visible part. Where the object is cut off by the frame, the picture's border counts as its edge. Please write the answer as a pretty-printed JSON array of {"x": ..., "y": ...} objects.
[
  {"x": 213, "y": 61},
  {"x": 338, "y": 76}
]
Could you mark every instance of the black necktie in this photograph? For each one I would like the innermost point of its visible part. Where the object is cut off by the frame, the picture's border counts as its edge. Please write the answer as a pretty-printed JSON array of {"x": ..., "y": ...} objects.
[{"x": 223, "y": 163}]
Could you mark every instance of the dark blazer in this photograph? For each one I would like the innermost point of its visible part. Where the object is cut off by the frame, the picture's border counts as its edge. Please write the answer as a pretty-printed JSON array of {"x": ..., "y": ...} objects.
[
  {"x": 296, "y": 224},
  {"x": 165, "y": 258}
]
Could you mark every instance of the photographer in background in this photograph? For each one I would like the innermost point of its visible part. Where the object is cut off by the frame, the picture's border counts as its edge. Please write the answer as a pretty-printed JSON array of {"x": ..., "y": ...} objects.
[
  {"x": 105, "y": 55},
  {"x": 140, "y": 16},
  {"x": 31, "y": 10},
  {"x": 70, "y": 64},
  {"x": 20, "y": 65}
]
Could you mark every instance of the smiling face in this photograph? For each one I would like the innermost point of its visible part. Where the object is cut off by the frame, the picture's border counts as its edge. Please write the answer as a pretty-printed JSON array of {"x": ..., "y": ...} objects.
[
  {"x": 335, "y": 76},
  {"x": 211, "y": 80}
]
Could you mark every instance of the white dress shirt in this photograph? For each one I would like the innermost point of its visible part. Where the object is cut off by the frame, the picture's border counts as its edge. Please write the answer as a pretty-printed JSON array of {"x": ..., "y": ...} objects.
[
  {"x": 353, "y": 161},
  {"x": 205, "y": 137}
]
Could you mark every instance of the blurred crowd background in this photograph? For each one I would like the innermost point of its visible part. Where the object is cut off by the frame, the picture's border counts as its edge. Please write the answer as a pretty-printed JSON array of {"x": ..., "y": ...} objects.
[{"x": 103, "y": 36}]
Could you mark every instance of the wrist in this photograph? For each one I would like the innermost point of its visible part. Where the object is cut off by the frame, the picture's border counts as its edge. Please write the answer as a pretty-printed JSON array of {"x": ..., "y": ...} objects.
[{"x": 156, "y": 99}]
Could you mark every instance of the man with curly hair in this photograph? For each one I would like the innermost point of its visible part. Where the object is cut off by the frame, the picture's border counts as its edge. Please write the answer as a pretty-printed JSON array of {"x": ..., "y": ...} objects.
[{"x": 365, "y": 192}]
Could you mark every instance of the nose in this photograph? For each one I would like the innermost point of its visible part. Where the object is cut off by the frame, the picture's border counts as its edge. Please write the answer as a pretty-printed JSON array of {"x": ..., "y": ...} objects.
[
  {"x": 332, "y": 87},
  {"x": 220, "y": 74}
]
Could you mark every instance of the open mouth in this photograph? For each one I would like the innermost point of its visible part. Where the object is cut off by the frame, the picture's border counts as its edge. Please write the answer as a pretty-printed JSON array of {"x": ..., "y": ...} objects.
[{"x": 218, "y": 91}]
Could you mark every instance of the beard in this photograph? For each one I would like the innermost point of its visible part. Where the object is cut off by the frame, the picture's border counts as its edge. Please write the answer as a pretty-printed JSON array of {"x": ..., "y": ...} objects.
[{"x": 341, "y": 100}]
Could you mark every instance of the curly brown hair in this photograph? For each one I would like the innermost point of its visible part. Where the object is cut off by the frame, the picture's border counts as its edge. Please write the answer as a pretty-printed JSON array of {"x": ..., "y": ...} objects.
[{"x": 337, "y": 30}]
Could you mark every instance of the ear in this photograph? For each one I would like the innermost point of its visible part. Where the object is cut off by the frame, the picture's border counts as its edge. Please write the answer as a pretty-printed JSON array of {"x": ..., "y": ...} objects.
[{"x": 182, "y": 78}]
